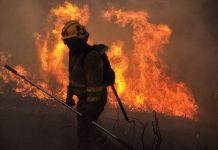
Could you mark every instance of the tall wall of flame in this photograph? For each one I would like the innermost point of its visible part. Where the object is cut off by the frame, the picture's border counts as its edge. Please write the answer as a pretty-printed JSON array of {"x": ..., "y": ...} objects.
[
  {"x": 141, "y": 78},
  {"x": 145, "y": 85}
]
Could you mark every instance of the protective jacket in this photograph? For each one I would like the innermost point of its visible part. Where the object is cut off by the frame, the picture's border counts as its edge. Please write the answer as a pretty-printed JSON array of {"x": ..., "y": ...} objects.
[{"x": 86, "y": 75}]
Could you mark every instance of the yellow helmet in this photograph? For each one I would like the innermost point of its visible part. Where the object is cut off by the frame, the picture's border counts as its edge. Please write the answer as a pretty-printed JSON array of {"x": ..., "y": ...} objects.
[{"x": 74, "y": 29}]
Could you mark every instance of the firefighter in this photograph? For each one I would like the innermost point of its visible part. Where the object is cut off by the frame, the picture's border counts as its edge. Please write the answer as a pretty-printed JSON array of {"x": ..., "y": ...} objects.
[{"x": 86, "y": 81}]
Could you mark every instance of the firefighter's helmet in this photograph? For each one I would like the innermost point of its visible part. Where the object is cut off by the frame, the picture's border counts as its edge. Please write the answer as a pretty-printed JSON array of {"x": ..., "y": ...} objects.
[{"x": 74, "y": 29}]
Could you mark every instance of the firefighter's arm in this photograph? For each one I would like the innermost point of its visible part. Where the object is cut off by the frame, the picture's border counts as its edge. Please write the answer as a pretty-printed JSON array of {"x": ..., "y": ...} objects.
[
  {"x": 69, "y": 98},
  {"x": 93, "y": 66}
]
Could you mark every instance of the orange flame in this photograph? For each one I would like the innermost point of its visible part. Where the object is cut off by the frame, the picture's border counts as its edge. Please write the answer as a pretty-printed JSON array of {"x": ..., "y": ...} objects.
[
  {"x": 51, "y": 48},
  {"x": 140, "y": 78},
  {"x": 21, "y": 86}
]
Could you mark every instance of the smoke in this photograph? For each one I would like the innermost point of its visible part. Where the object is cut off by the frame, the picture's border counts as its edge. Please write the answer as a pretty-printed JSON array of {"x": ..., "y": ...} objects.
[
  {"x": 19, "y": 20},
  {"x": 191, "y": 54}
]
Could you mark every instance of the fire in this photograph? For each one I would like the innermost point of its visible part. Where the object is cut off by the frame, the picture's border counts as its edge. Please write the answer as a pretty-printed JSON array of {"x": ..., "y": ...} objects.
[
  {"x": 51, "y": 49},
  {"x": 119, "y": 62},
  {"x": 141, "y": 80},
  {"x": 20, "y": 86}
]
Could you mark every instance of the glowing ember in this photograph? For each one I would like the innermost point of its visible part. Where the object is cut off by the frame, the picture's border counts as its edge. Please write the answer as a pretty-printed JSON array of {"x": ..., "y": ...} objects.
[{"x": 140, "y": 78}]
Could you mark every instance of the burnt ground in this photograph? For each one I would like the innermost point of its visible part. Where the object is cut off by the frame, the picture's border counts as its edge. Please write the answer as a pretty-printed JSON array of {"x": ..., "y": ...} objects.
[{"x": 31, "y": 124}]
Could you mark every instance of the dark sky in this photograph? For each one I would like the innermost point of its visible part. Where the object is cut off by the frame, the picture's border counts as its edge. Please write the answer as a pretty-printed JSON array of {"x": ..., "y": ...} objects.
[{"x": 192, "y": 54}]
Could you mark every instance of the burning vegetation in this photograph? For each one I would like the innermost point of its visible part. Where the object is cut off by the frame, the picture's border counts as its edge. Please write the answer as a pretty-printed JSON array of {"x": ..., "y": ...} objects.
[{"x": 141, "y": 78}]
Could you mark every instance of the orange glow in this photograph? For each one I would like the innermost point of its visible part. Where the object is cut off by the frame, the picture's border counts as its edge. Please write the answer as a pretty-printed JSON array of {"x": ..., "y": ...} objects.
[
  {"x": 141, "y": 80},
  {"x": 51, "y": 49}
]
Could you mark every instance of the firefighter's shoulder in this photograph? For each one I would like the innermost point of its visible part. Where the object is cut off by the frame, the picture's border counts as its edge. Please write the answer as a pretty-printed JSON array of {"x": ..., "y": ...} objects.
[{"x": 93, "y": 58}]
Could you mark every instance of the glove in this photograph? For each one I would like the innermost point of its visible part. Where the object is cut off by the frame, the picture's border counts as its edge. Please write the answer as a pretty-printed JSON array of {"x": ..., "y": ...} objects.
[{"x": 70, "y": 102}]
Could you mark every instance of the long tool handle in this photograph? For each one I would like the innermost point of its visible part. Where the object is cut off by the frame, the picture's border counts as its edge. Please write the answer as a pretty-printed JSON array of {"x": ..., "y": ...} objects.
[
  {"x": 120, "y": 103},
  {"x": 125, "y": 144}
]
